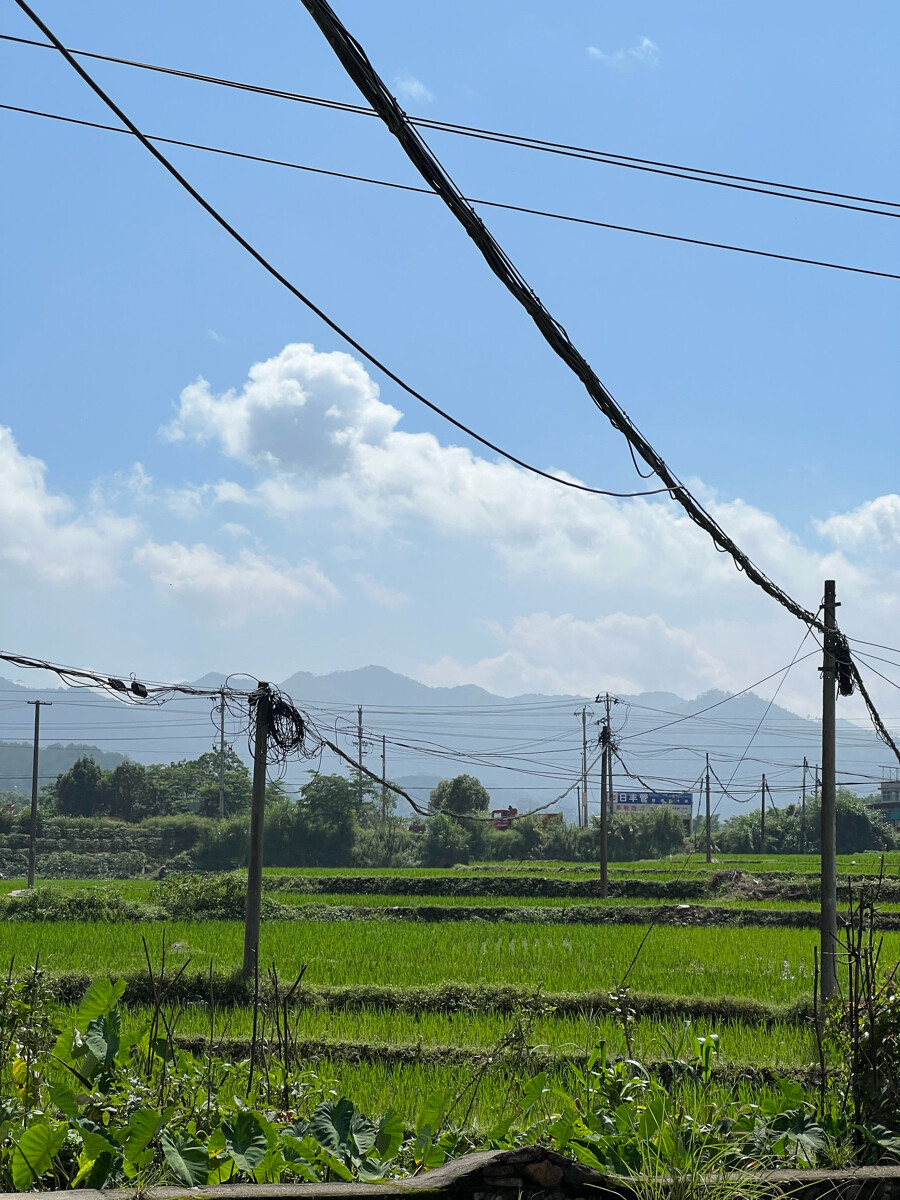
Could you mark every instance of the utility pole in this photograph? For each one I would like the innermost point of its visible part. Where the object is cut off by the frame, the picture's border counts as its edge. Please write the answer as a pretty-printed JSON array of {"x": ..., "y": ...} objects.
[
  {"x": 803, "y": 808},
  {"x": 383, "y": 778},
  {"x": 762, "y": 816},
  {"x": 708, "y": 817},
  {"x": 604, "y": 809},
  {"x": 222, "y": 754},
  {"x": 828, "y": 953},
  {"x": 609, "y": 756},
  {"x": 261, "y": 699},
  {"x": 359, "y": 746},
  {"x": 583, "y": 790},
  {"x": 32, "y": 828}
]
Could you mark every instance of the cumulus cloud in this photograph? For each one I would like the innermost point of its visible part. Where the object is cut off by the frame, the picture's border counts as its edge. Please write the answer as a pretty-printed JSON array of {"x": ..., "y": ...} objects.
[
  {"x": 320, "y": 439},
  {"x": 874, "y": 525},
  {"x": 567, "y": 654},
  {"x": 300, "y": 411},
  {"x": 644, "y": 53},
  {"x": 232, "y": 591},
  {"x": 412, "y": 90},
  {"x": 43, "y": 539}
]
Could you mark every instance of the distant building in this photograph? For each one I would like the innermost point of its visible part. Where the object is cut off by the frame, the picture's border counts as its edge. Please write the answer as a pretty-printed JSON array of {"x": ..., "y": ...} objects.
[{"x": 888, "y": 803}]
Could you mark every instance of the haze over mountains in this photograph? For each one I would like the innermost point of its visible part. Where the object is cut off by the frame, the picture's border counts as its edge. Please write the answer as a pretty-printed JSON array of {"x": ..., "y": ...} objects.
[{"x": 526, "y": 749}]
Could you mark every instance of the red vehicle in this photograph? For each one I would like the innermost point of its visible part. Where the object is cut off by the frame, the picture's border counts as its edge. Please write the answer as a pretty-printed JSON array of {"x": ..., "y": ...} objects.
[{"x": 503, "y": 817}]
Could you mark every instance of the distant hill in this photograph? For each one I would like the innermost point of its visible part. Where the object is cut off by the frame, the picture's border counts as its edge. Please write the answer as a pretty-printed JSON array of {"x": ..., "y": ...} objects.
[
  {"x": 526, "y": 749},
  {"x": 16, "y": 762}
]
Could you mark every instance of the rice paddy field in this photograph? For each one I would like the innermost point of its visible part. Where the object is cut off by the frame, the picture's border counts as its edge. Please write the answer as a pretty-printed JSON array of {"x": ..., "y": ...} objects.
[{"x": 397, "y": 1038}]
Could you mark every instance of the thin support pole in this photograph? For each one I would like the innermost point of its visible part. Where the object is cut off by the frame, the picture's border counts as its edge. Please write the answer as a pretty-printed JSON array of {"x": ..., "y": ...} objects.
[
  {"x": 828, "y": 923},
  {"x": 708, "y": 817},
  {"x": 253, "y": 914},
  {"x": 32, "y": 825}
]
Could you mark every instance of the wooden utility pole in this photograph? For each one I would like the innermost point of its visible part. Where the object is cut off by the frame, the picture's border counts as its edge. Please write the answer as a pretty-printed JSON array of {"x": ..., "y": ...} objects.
[
  {"x": 222, "y": 754},
  {"x": 32, "y": 827},
  {"x": 261, "y": 700},
  {"x": 829, "y": 947},
  {"x": 762, "y": 816},
  {"x": 708, "y": 817},
  {"x": 803, "y": 808}
]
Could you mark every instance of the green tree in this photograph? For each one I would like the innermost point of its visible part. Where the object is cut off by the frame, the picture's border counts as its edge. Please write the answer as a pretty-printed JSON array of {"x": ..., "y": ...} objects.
[
  {"x": 466, "y": 800},
  {"x": 446, "y": 842},
  {"x": 79, "y": 792},
  {"x": 193, "y": 783},
  {"x": 130, "y": 793}
]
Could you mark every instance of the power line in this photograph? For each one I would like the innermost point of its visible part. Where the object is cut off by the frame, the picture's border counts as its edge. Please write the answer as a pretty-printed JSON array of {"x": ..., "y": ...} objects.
[
  {"x": 295, "y": 291},
  {"x": 786, "y": 191},
  {"x": 353, "y": 58},
  {"x": 358, "y": 67},
  {"x": 519, "y": 208}
]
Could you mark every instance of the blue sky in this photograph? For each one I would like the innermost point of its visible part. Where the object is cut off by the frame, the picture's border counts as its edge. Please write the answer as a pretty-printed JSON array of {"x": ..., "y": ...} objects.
[{"x": 245, "y": 540}]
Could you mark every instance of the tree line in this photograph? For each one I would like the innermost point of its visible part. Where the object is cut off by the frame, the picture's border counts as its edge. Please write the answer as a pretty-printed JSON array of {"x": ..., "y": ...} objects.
[{"x": 338, "y": 821}]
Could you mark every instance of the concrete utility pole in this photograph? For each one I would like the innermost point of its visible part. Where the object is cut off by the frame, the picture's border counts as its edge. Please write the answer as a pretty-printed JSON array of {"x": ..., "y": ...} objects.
[
  {"x": 359, "y": 747},
  {"x": 604, "y": 809},
  {"x": 32, "y": 827},
  {"x": 222, "y": 754},
  {"x": 610, "y": 756},
  {"x": 257, "y": 827},
  {"x": 803, "y": 808},
  {"x": 383, "y": 778},
  {"x": 762, "y": 816},
  {"x": 828, "y": 952},
  {"x": 708, "y": 817},
  {"x": 583, "y": 790}
]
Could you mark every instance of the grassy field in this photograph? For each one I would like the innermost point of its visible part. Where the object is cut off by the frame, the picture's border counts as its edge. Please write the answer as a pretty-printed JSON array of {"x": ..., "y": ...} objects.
[
  {"x": 357, "y": 1050},
  {"x": 772, "y": 964}
]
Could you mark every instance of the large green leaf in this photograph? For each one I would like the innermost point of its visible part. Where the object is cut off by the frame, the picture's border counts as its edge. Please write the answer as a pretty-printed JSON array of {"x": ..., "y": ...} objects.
[
  {"x": 100, "y": 997},
  {"x": 33, "y": 1153},
  {"x": 102, "y": 1037},
  {"x": 143, "y": 1126},
  {"x": 64, "y": 1099},
  {"x": 431, "y": 1113},
  {"x": 363, "y": 1135},
  {"x": 245, "y": 1141},
  {"x": 187, "y": 1159},
  {"x": 390, "y": 1135},
  {"x": 330, "y": 1126}
]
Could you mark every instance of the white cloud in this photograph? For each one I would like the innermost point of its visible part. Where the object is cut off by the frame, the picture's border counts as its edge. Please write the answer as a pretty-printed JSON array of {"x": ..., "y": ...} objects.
[
  {"x": 42, "y": 538},
  {"x": 232, "y": 592},
  {"x": 300, "y": 411},
  {"x": 566, "y": 654},
  {"x": 874, "y": 525},
  {"x": 320, "y": 439},
  {"x": 379, "y": 593},
  {"x": 644, "y": 53},
  {"x": 412, "y": 90}
]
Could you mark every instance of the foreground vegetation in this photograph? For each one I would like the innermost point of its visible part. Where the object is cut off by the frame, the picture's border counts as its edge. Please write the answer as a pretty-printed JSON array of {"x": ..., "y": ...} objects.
[{"x": 109, "y": 1096}]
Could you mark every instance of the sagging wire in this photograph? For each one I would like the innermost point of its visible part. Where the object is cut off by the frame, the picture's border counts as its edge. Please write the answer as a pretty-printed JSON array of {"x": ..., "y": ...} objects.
[{"x": 134, "y": 691}]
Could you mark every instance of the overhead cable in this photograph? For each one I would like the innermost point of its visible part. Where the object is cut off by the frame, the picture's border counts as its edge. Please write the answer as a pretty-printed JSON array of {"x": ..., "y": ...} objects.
[
  {"x": 518, "y": 208},
  {"x": 747, "y": 183},
  {"x": 295, "y": 291},
  {"x": 357, "y": 65}
]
